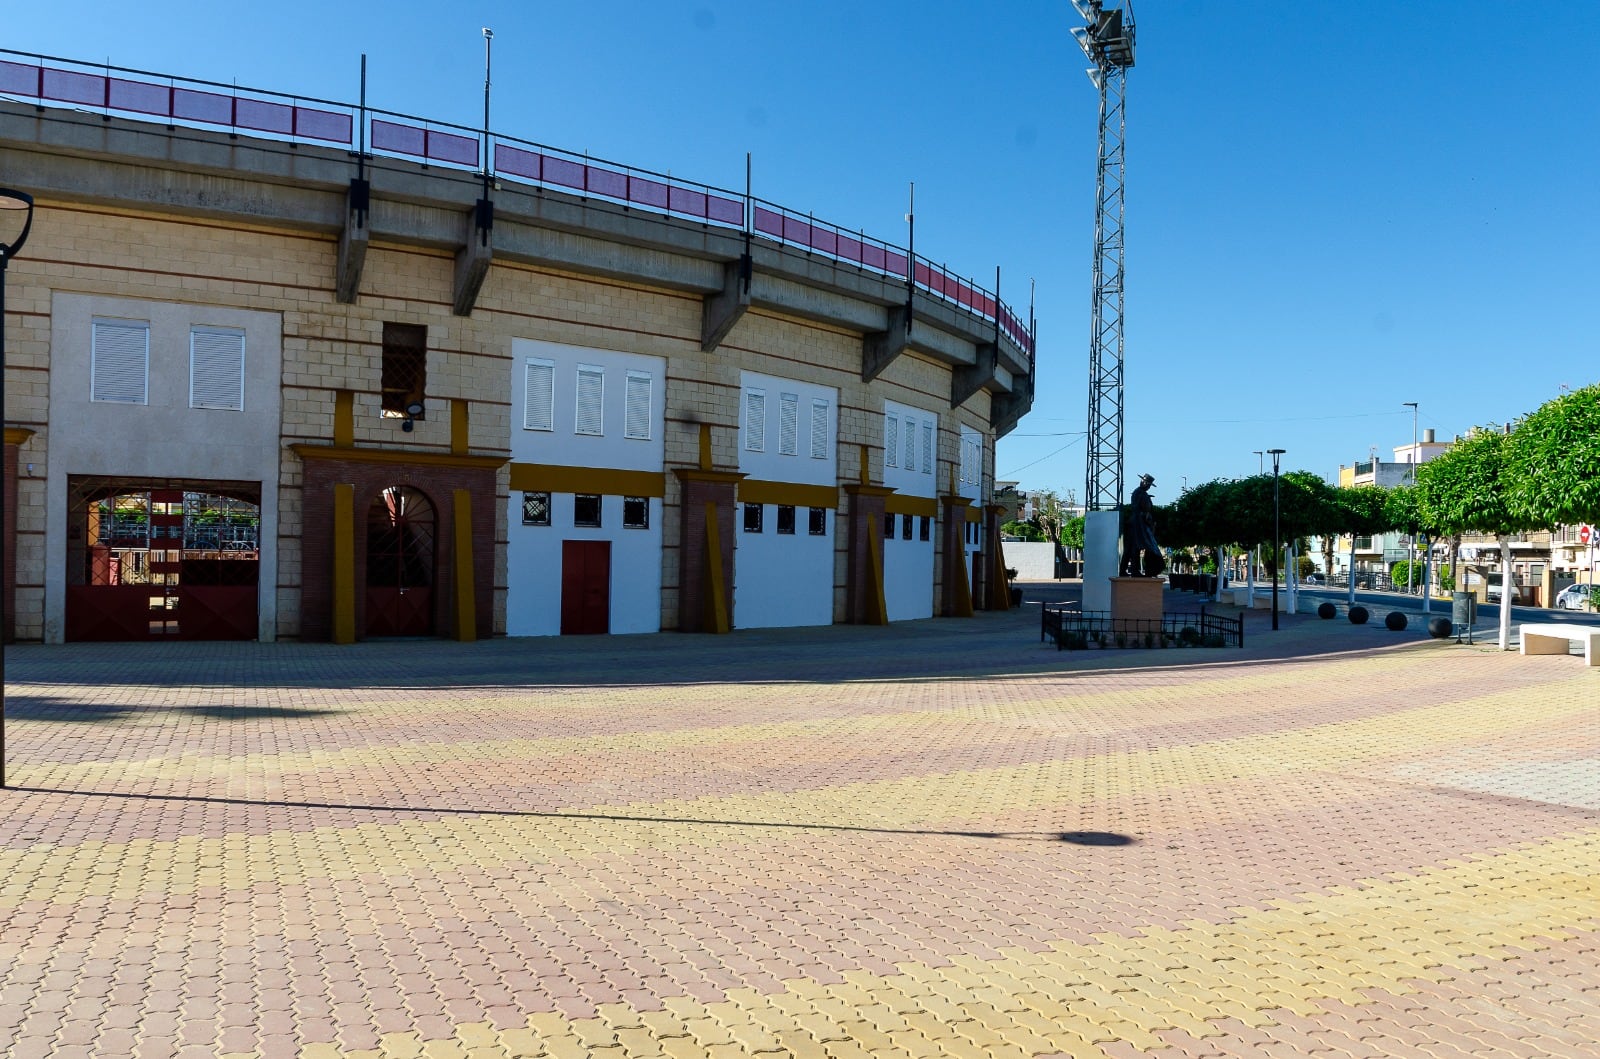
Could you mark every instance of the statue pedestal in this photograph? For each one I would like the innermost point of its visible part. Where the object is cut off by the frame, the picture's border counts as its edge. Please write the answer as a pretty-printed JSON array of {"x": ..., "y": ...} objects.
[{"x": 1136, "y": 599}]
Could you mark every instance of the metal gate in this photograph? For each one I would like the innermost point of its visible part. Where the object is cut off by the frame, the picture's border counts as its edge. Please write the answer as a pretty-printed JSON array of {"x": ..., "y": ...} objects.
[
  {"x": 401, "y": 529},
  {"x": 162, "y": 560}
]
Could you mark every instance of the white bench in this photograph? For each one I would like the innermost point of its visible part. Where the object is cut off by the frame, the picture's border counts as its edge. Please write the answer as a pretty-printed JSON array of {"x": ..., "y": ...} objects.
[{"x": 1556, "y": 640}]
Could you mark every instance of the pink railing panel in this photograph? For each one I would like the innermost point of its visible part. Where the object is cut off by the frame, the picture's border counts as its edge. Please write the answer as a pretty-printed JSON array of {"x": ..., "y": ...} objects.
[
  {"x": 849, "y": 249},
  {"x": 448, "y": 147},
  {"x": 686, "y": 200},
  {"x": 264, "y": 117},
  {"x": 893, "y": 263},
  {"x": 725, "y": 210},
  {"x": 140, "y": 97},
  {"x": 566, "y": 173},
  {"x": 825, "y": 240},
  {"x": 326, "y": 125},
  {"x": 607, "y": 182},
  {"x": 872, "y": 256},
  {"x": 515, "y": 160},
  {"x": 647, "y": 192},
  {"x": 402, "y": 139},
  {"x": 208, "y": 107},
  {"x": 69, "y": 86},
  {"x": 769, "y": 222},
  {"x": 19, "y": 78}
]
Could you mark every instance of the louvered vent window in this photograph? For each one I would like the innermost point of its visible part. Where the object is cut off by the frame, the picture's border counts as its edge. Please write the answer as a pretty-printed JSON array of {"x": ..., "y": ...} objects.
[
  {"x": 121, "y": 362},
  {"x": 539, "y": 408},
  {"x": 819, "y": 430},
  {"x": 911, "y": 444},
  {"x": 591, "y": 397},
  {"x": 216, "y": 368},
  {"x": 755, "y": 421},
  {"x": 927, "y": 448},
  {"x": 891, "y": 441},
  {"x": 788, "y": 424},
  {"x": 637, "y": 419}
]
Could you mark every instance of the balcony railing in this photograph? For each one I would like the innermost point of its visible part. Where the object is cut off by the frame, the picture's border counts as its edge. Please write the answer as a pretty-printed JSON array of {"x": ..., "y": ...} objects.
[{"x": 106, "y": 89}]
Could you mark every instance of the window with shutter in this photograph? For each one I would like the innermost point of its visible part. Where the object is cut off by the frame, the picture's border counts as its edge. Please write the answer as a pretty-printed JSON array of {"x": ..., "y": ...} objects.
[
  {"x": 891, "y": 440},
  {"x": 591, "y": 395},
  {"x": 788, "y": 424},
  {"x": 819, "y": 430},
  {"x": 539, "y": 402},
  {"x": 216, "y": 368},
  {"x": 911, "y": 444},
  {"x": 405, "y": 370},
  {"x": 636, "y": 423},
  {"x": 120, "y": 361},
  {"x": 927, "y": 448},
  {"x": 755, "y": 420}
]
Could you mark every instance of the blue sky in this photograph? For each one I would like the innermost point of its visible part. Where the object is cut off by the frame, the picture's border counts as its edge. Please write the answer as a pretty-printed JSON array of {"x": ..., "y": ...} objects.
[{"x": 1332, "y": 208}]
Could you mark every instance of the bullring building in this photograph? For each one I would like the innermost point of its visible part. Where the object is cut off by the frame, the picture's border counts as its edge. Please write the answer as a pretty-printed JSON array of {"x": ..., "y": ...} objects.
[{"x": 323, "y": 372}]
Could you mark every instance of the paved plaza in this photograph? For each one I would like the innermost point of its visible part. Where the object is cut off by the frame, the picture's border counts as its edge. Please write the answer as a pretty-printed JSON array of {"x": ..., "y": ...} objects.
[{"x": 935, "y": 839}]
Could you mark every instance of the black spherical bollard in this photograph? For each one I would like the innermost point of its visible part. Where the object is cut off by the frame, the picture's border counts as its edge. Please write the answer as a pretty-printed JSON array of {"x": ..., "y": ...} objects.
[
  {"x": 1358, "y": 615},
  {"x": 1439, "y": 628},
  {"x": 1327, "y": 610},
  {"x": 1394, "y": 621}
]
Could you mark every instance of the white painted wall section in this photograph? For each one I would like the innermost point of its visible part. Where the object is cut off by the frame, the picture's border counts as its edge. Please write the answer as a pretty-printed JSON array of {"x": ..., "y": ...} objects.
[
  {"x": 161, "y": 436},
  {"x": 573, "y": 406}
]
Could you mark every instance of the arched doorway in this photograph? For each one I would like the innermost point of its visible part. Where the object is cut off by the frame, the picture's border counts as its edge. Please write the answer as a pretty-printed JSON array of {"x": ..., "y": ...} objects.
[{"x": 401, "y": 530}]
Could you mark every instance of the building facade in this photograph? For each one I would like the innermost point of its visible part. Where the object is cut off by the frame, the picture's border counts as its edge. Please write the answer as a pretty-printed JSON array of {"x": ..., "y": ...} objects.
[{"x": 262, "y": 386}]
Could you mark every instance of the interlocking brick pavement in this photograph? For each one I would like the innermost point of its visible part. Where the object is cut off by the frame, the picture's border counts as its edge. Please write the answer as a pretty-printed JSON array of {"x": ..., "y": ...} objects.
[{"x": 936, "y": 839}]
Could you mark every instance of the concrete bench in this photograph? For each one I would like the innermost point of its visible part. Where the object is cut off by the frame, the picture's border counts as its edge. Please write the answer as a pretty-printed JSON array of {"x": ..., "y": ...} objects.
[{"x": 1556, "y": 640}]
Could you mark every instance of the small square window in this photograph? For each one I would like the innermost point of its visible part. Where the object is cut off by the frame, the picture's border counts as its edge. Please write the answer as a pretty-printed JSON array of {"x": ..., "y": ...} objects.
[
  {"x": 752, "y": 518},
  {"x": 926, "y": 528},
  {"x": 786, "y": 519},
  {"x": 536, "y": 509},
  {"x": 586, "y": 510},
  {"x": 888, "y": 525},
  {"x": 906, "y": 527},
  {"x": 636, "y": 512},
  {"x": 819, "y": 522}
]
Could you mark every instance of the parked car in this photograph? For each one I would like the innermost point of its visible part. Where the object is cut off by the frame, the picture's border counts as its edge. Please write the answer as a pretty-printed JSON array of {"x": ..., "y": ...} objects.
[{"x": 1575, "y": 597}]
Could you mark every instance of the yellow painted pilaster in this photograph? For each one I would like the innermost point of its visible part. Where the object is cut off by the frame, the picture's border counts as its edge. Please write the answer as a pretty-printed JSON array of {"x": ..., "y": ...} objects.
[
  {"x": 716, "y": 617},
  {"x": 466, "y": 593},
  {"x": 344, "y": 419}
]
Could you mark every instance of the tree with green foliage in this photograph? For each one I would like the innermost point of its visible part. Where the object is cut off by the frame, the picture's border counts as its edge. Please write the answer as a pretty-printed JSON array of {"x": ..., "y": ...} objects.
[
  {"x": 1554, "y": 457},
  {"x": 1022, "y": 530},
  {"x": 1072, "y": 532},
  {"x": 1469, "y": 488},
  {"x": 1361, "y": 511}
]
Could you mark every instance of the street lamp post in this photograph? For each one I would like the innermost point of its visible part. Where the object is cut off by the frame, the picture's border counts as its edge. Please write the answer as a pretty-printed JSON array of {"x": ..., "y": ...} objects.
[
  {"x": 1277, "y": 532},
  {"x": 1412, "y": 565},
  {"x": 11, "y": 204}
]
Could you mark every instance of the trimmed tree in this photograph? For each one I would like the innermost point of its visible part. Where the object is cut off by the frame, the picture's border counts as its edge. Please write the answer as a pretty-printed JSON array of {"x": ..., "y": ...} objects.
[
  {"x": 1554, "y": 457},
  {"x": 1469, "y": 489}
]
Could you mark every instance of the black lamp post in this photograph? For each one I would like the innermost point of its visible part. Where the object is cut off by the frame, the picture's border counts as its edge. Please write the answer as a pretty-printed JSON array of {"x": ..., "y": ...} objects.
[
  {"x": 11, "y": 204},
  {"x": 1277, "y": 535}
]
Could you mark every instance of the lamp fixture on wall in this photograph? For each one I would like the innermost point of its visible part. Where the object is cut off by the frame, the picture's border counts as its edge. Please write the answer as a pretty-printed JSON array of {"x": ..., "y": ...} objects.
[{"x": 413, "y": 411}]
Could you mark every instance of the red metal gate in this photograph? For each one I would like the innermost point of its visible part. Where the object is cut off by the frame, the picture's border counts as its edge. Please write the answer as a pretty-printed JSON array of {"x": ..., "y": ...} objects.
[{"x": 401, "y": 529}]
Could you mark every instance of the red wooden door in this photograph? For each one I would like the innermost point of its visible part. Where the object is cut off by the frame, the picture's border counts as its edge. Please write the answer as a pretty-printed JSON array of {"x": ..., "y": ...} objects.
[{"x": 585, "y": 587}]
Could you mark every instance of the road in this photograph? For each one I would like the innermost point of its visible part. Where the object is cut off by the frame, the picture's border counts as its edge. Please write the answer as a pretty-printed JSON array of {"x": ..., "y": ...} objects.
[{"x": 1488, "y": 613}]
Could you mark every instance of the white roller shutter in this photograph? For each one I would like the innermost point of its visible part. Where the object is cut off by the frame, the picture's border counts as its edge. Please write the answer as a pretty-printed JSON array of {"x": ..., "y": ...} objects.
[
  {"x": 216, "y": 368},
  {"x": 539, "y": 400},
  {"x": 591, "y": 398},
  {"x": 891, "y": 440},
  {"x": 755, "y": 420},
  {"x": 636, "y": 422},
  {"x": 927, "y": 448},
  {"x": 120, "y": 361},
  {"x": 788, "y": 423},
  {"x": 819, "y": 430}
]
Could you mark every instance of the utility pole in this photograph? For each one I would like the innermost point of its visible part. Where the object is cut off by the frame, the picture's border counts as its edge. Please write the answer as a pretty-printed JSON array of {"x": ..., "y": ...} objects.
[{"x": 1412, "y": 565}]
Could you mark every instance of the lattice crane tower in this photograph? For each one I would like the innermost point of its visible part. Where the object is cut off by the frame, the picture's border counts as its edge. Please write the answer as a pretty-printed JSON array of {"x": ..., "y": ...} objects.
[{"x": 1107, "y": 41}]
